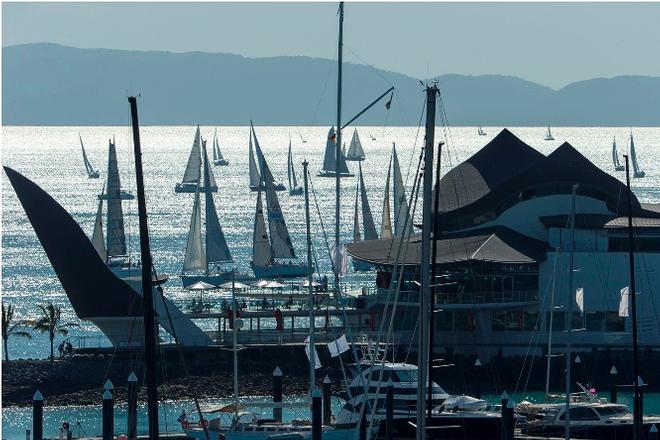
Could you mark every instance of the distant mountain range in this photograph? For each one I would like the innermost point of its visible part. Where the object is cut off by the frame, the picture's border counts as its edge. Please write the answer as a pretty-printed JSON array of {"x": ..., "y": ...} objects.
[{"x": 50, "y": 84}]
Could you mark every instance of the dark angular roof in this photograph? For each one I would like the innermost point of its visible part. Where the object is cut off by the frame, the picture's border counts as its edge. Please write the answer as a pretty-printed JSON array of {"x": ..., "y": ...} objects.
[
  {"x": 504, "y": 157},
  {"x": 493, "y": 245}
]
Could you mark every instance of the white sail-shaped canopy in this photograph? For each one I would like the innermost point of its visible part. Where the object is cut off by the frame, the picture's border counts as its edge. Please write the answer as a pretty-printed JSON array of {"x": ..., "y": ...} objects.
[
  {"x": 386, "y": 221},
  {"x": 116, "y": 238},
  {"x": 368, "y": 225},
  {"x": 261, "y": 250},
  {"x": 255, "y": 178},
  {"x": 356, "y": 217},
  {"x": 194, "y": 161},
  {"x": 291, "y": 170},
  {"x": 330, "y": 159},
  {"x": 280, "y": 241},
  {"x": 195, "y": 257},
  {"x": 355, "y": 151},
  {"x": 97, "y": 236},
  {"x": 402, "y": 222},
  {"x": 216, "y": 244},
  {"x": 88, "y": 165}
]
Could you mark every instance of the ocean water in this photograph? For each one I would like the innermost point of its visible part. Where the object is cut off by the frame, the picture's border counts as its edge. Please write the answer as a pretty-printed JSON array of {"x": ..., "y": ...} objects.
[{"x": 51, "y": 157}]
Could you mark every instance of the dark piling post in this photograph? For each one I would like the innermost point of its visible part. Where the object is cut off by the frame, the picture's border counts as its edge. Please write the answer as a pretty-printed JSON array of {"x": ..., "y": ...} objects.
[
  {"x": 327, "y": 403},
  {"x": 504, "y": 401},
  {"x": 108, "y": 416},
  {"x": 510, "y": 425},
  {"x": 316, "y": 415},
  {"x": 477, "y": 378},
  {"x": 363, "y": 425},
  {"x": 613, "y": 389},
  {"x": 653, "y": 432},
  {"x": 389, "y": 411},
  {"x": 38, "y": 415},
  {"x": 27, "y": 434},
  {"x": 641, "y": 385},
  {"x": 132, "y": 407},
  {"x": 277, "y": 393},
  {"x": 578, "y": 363}
]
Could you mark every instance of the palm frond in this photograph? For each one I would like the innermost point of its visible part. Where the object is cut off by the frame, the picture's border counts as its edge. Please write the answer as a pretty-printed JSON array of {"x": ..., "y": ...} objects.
[{"x": 23, "y": 334}]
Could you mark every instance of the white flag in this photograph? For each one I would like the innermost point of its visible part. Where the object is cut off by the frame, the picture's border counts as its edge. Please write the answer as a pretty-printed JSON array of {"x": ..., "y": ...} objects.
[
  {"x": 343, "y": 258},
  {"x": 623, "y": 304},
  {"x": 317, "y": 361},
  {"x": 338, "y": 346},
  {"x": 579, "y": 298}
]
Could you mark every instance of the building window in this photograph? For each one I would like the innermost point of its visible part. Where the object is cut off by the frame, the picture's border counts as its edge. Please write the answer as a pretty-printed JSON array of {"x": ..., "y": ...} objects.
[
  {"x": 614, "y": 323},
  {"x": 595, "y": 321},
  {"x": 514, "y": 321}
]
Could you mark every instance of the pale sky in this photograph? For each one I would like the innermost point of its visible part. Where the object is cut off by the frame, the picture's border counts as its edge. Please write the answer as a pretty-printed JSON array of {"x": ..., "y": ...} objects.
[{"x": 550, "y": 43}]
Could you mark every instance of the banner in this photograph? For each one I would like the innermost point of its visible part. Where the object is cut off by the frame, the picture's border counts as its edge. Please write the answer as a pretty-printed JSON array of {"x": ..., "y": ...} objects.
[
  {"x": 317, "y": 361},
  {"x": 338, "y": 346}
]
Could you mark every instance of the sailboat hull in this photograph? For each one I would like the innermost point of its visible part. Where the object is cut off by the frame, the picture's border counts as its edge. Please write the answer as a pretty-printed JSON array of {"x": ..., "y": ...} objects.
[
  {"x": 324, "y": 173},
  {"x": 191, "y": 188},
  {"x": 276, "y": 186},
  {"x": 355, "y": 159},
  {"x": 221, "y": 162},
  {"x": 619, "y": 168},
  {"x": 296, "y": 191},
  {"x": 639, "y": 174},
  {"x": 281, "y": 270},
  {"x": 123, "y": 195},
  {"x": 93, "y": 175}
]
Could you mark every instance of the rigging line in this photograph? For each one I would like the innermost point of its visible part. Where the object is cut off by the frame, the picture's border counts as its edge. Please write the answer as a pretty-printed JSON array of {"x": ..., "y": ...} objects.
[
  {"x": 325, "y": 86},
  {"x": 412, "y": 153}
]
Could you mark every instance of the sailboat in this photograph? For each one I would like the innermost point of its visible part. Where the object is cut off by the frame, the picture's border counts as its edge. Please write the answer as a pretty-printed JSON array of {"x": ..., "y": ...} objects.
[
  {"x": 269, "y": 249},
  {"x": 372, "y": 137},
  {"x": 91, "y": 172},
  {"x": 294, "y": 188},
  {"x": 210, "y": 248},
  {"x": 192, "y": 175},
  {"x": 254, "y": 173},
  {"x": 402, "y": 221},
  {"x": 368, "y": 225},
  {"x": 113, "y": 183},
  {"x": 618, "y": 166},
  {"x": 548, "y": 135},
  {"x": 330, "y": 166},
  {"x": 218, "y": 159},
  {"x": 481, "y": 131},
  {"x": 355, "y": 151},
  {"x": 637, "y": 173}
]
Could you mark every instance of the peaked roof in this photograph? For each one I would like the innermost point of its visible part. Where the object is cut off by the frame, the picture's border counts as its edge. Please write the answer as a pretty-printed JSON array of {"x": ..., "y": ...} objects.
[{"x": 504, "y": 157}]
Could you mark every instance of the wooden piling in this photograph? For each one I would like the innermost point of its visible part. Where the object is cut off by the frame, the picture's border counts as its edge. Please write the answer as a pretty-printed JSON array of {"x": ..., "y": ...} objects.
[
  {"x": 613, "y": 386},
  {"x": 38, "y": 415},
  {"x": 108, "y": 416},
  {"x": 389, "y": 411},
  {"x": 327, "y": 402},
  {"x": 277, "y": 393},
  {"x": 504, "y": 401},
  {"x": 131, "y": 428},
  {"x": 477, "y": 378},
  {"x": 316, "y": 415}
]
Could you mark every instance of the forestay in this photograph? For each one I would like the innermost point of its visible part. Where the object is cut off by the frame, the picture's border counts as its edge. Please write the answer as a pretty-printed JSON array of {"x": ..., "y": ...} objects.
[{"x": 116, "y": 239}]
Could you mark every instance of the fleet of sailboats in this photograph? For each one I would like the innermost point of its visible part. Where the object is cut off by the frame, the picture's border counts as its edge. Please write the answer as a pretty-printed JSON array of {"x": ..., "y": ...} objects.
[
  {"x": 218, "y": 159},
  {"x": 192, "y": 175},
  {"x": 355, "y": 151},
  {"x": 91, "y": 172},
  {"x": 618, "y": 166}
]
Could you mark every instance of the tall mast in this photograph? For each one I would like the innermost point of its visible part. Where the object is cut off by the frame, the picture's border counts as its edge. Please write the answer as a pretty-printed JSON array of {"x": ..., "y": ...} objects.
[
  {"x": 637, "y": 417},
  {"x": 550, "y": 328},
  {"x": 147, "y": 285},
  {"x": 425, "y": 282},
  {"x": 338, "y": 146},
  {"x": 234, "y": 336},
  {"x": 569, "y": 320},
  {"x": 310, "y": 287}
]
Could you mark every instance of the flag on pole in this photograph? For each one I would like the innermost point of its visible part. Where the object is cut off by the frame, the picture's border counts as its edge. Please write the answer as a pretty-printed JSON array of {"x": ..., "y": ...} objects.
[
  {"x": 317, "y": 361},
  {"x": 338, "y": 346},
  {"x": 579, "y": 298},
  {"x": 623, "y": 303},
  {"x": 343, "y": 258}
]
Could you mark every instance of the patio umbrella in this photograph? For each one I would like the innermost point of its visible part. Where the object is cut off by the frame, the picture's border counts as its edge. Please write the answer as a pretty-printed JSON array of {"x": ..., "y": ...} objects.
[
  {"x": 274, "y": 285},
  {"x": 314, "y": 284},
  {"x": 261, "y": 283},
  {"x": 237, "y": 285},
  {"x": 200, "y": 285}
]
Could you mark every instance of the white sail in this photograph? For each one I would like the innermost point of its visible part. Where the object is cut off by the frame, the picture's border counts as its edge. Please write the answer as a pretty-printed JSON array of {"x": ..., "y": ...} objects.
[
  {"x": 293, "y": 183},
  {"x": 97, "y": 236},
  {"x": 615, "y": 154},
  {"x": 369, "y": 227},
  {"x": 195, "y": 257},
  {"x": 216, "y": 244},
  {"x": 253, "y": 171},
  {"x": 217, "y": 154},
  {"x": 355, "y": 150},
  {"x": 116, "y": 238},
  {"x": 280, "y": 241},
  {"x": 386, "y": 222},
  {"x": 261, "y": 251},
  {"x": 402, "y": 222},
  {"x": 330, "y": 157},
  {"x": 356, "y": 217},
  {"x": 88, "y": 165},
  {"x": 633, "y": 156},
  {"x": 194, "y": 161}
]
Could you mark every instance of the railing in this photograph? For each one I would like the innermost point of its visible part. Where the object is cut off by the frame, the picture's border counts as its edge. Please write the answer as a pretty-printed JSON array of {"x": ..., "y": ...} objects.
[{"x": 465, "y": 297}]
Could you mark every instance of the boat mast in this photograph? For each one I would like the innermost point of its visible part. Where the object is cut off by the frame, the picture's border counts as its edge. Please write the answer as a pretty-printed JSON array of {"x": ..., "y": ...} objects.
[
  {"x": 637, "y": 417},
  {"x": 425, "y": 282},
  {"x": 569, "y": 319},
  {"x": 234, "y": 339},
  {"x": 550, "y": 328},
  {"x": 340, "y": 45},
  {"x": 147, "y": 286},
  {"x": 310, "y": 288}
]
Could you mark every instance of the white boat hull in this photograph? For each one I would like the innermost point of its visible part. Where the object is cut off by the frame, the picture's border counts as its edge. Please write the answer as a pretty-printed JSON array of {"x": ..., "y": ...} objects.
[
  {"x": 280, "y": 270},
  {"x": 191, "y": 188}
]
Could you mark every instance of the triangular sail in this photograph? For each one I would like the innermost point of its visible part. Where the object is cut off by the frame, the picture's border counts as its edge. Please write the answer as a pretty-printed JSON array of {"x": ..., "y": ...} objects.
[
  {"x": 216, "y": 244},
  {"x": 633, "y": 155},
  {"x": 402, "y": 222},
  {"x": 217, "y": 154},
  {"x": 211, "y": 177},
  {"x": 293, "y": 183},
  {"x": 615, "y": 154},
  {"x": 261, "y": 250},
  {"x": 330, "y": 157},
  {"x": 88, "y": 165},
  {"x": 116, "y": 238},
  {"x": 255, "y": 178},
  {"x": 280, "y": 241},
  {"x": 386, "y": 223},
  {"x": 194, "y": 161},
  {"x": 369, "y": 227},
  {"x": 195, "y": 257},
  {"x": 356, "y": 217},
  {"x": 355, "y": 150},
  {"x": 97, "y": 236}
]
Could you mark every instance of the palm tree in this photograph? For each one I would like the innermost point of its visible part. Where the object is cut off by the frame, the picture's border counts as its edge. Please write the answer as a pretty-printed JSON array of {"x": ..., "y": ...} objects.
[
  {"x": 10, "y": 328},
  {"x": 50, "y": 322}
]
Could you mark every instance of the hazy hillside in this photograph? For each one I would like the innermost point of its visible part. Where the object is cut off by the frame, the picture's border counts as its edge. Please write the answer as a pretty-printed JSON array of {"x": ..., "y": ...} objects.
[{"x": 49, "y": 84}]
